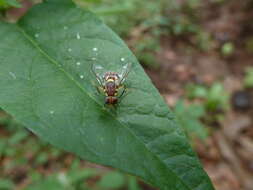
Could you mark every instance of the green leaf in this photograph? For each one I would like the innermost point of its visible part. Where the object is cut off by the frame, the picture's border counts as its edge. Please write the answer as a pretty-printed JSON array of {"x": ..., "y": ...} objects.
[
  {"x": 133, "y": 183},
  {"x": 9, "y": 3},
  {"x": 17, "y": 137},
  {"x": 189, "y": 118},
  {"x": 248, "y": 79},
  {"x": 112, "y": 180},
  {"x": 196, "y": 91},
  {"x": 14, "y": 3},
  {"x": 77, "y": 175},
  {"x": 217, "y": 97},
  {"x": 228, "y": 48},
  {"x": 6, "y": 184},
  {"x": 50, "y": 182},
  {"x": 42, "y": 87}
]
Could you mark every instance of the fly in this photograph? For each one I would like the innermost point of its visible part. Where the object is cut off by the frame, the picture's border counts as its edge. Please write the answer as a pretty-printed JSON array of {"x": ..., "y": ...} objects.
[{"x": 111, "y": 84}]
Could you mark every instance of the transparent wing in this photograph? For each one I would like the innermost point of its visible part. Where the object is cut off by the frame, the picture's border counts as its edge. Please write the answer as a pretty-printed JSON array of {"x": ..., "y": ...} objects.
[
  {"x": 99, "y": 72},
  {"x": 124, "y": 72}
]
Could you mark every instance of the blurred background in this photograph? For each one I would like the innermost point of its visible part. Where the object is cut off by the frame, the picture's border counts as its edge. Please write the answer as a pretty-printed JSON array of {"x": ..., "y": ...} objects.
[{"x": 199, "y": 54}]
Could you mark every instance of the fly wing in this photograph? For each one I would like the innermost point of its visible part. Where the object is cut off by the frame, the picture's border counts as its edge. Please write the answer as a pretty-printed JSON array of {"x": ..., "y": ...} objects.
[
  {"x": 99, "y": 72},
  {"x": 124, "y": 72}
]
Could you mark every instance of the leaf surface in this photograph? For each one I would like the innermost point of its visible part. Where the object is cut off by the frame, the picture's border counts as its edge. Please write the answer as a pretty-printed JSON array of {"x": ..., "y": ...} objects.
[{"x": 46, "y": 84}]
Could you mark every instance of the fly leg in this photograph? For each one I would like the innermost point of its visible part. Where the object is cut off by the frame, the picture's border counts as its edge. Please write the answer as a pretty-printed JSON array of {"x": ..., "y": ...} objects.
[
  {"x": 124, "y": 93},
  {"x": 99, "y": 92},
  {"x": 100, "y": 89}
]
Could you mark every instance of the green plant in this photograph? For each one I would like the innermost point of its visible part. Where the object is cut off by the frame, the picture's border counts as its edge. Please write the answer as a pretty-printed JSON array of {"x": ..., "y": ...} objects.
[
  {"x": 144, "y": 22},
  {"x": 45, "y": 89},
  {"x": 79, "y": 180},
  {"x": 215, "y": 97},
  {"x": 6, "y": 184},
  {"x": 189, "y": 118},
  {"x": 141, "y": 16},
  {"x": 113, "y": 180},
  {"x": 5, "y": 4},
  {"x": 227, "y": 49},
  {"x": 248, "y": 79}
]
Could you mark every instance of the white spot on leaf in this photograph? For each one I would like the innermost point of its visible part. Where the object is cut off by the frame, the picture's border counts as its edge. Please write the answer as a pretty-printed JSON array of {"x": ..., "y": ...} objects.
[
  {"x": 69, "y": 50},
  {"x": 51, "y": 112},
  {"x": 78, "y": 63},
  {"x": 81, "y": 76},
  {"x": 99, "y": 67},
  {"x": 122, "y": 59},
  {"x": 36, "y": 35},
  {"x": 78, "y": 36},
  {"x": 95, "y": 49}
]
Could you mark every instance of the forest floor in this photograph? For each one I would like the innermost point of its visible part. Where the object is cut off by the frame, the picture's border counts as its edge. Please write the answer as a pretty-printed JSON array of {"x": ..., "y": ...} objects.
[{"x": 227, "y": 153}]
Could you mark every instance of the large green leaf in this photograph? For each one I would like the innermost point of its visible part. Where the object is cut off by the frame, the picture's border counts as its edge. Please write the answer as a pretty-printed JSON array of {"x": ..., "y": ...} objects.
[{"x": 46, "y": 84}]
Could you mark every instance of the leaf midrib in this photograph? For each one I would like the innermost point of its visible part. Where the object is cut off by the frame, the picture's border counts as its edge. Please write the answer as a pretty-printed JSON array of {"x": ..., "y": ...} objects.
[{"x": 22, "y": 31}]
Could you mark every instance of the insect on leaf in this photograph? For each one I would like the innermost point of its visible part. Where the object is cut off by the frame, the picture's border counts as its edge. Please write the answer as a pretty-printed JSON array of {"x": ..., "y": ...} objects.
[{"x": 46, "y": 83}]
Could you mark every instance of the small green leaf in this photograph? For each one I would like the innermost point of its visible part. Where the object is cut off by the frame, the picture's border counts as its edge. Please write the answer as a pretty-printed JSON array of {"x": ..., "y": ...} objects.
[
  {"x": 77, "y": 175},
  {"x": 133, "y": 183},
  {"x": 35, "y": 176},
  {"x": 14, "y": 3},
  {"x": 189, "y": 118},
  {"x": 248, "y": 80},
  {"x": 47, "y": 85},
  {"x": 196, "y": 91},
  {"x": 17, "y": 137},
  {"x": 41, "y": 158},
  {"x": 48, "y": 183},
  {"x": 112, "y": 180},
  {"x": 6, "y": 184},
  {"x": 9, "y": 3},
  {"x": 228, "y": 48}
]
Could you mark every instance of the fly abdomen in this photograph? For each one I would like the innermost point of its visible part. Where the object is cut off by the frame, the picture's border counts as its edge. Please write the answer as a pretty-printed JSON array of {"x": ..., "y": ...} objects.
[
  {"x": 111, "y": 100},
  {"x": 110, "y": 88}
]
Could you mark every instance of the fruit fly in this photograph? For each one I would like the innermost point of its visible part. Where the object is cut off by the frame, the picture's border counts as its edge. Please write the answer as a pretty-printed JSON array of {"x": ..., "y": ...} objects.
[{"x": 111, "y": 83}]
